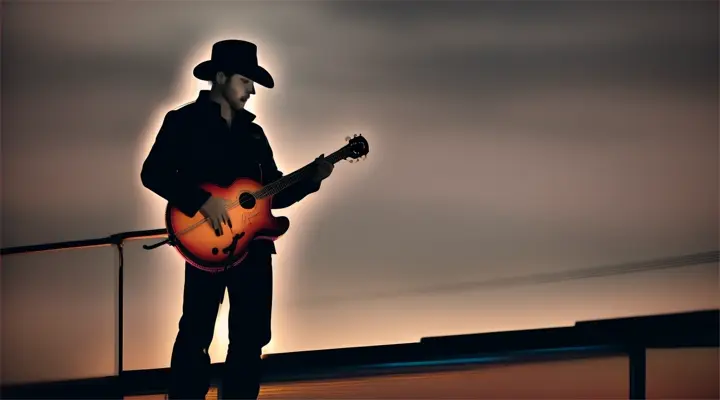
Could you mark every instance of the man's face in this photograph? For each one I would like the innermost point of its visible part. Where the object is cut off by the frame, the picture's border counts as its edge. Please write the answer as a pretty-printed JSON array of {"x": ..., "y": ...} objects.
[{"x": 237, "y": 90}]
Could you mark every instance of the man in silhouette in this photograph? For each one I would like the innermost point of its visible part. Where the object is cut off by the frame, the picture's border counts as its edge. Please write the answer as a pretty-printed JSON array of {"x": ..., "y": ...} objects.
[{"x": 214, "y": 140}]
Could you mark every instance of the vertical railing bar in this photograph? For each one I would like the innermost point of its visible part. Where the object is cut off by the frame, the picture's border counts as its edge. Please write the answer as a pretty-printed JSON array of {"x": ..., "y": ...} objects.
[
  {"x": 118, "y": 241},
  {"x": 638, "y": 371}
]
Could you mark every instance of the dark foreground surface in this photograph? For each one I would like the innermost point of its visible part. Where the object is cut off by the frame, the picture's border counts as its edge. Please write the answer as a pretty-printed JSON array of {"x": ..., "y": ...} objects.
[{"x": 640, "y": 357}]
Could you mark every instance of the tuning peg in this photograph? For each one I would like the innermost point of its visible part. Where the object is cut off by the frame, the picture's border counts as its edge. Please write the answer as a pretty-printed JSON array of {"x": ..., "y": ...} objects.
[
  {"x": 355, "y": 135},
  {"x": 347, "y": 138}
]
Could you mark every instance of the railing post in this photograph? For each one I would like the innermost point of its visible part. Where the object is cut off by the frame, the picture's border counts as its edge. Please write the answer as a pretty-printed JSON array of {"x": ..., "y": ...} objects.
[
  {"x": 118, "y": 241},
  {"x": 638, "y": 370}
]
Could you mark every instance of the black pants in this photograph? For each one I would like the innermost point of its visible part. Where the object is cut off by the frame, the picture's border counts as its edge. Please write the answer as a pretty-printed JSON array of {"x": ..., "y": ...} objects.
[{"x": 249, "y": 288}]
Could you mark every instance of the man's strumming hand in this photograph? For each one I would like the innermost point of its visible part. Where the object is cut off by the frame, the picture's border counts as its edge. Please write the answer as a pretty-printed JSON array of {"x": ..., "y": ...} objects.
[{"x": 215, "y": 210}]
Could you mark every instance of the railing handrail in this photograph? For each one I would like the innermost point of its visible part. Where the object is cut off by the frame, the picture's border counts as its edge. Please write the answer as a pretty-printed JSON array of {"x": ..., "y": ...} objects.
[{"x": 76, "y": 244}]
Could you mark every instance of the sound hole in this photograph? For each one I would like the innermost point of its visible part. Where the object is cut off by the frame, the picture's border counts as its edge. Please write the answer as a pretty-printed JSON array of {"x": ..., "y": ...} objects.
[{"x": 247, "y": 201}]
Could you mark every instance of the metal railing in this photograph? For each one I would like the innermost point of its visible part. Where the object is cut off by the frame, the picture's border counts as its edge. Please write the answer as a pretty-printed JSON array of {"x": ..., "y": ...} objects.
[
  {"x": 636, "y": 354},
  {"x": 117, "y": 240}
]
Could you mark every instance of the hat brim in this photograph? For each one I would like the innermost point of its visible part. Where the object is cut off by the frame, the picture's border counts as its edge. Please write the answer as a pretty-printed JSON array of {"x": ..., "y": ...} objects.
[{"x": 206, "y": 71}]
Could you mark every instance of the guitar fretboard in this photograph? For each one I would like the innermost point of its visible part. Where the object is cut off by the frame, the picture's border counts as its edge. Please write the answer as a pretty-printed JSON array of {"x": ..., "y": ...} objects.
[{"x": 295, "y": 177}]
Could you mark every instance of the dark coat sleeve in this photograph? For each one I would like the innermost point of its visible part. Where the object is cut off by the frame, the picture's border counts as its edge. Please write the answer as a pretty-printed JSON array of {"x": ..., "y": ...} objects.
[
  {"x": 290, "y": 195},
  {"x": 162, "y": 170}
]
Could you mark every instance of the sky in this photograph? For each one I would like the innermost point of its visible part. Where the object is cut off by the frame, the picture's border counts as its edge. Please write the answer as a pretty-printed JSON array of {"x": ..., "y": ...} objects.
[{"x": 507, "y": 140}]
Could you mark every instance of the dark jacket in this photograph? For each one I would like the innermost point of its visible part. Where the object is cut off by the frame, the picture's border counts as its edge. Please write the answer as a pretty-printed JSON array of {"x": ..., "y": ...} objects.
[{"x": 195, "y": 145}]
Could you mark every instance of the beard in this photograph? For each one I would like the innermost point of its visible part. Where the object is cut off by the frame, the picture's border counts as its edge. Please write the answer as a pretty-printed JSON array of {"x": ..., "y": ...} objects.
[{"x": 235, "y": 102}]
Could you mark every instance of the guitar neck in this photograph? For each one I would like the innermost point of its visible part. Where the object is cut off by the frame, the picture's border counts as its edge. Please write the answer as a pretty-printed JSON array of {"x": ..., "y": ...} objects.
[{"x": 295, "y": 177}]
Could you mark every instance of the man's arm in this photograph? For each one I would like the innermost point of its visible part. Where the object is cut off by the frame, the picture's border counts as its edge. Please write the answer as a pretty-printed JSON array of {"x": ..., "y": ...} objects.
[
  {"x": 161, "y": 169},
  {"x": 292, "y": 194}
]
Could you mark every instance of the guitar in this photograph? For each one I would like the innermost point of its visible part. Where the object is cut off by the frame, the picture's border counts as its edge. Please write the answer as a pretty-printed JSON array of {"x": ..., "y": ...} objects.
[{"x": 249, "y": 209}]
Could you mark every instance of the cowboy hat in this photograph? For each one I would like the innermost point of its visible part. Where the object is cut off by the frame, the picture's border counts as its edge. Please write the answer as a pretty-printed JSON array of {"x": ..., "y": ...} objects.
[{"x": 235, "y": 56}]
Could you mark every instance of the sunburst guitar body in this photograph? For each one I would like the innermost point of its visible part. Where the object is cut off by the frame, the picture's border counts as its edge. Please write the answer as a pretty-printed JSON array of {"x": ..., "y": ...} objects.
[{"x": 249, "y": 206}]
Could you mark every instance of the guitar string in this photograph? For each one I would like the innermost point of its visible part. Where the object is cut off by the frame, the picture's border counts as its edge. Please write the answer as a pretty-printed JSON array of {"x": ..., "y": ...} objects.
[
  {"x": 236, "y": 203},
  {"x": 275, "y": 187}
]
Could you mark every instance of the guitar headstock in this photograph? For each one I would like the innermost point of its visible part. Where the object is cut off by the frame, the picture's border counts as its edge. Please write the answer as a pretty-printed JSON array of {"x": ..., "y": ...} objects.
[{"x": 356, "y": 148}]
